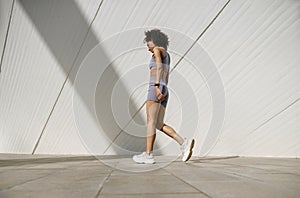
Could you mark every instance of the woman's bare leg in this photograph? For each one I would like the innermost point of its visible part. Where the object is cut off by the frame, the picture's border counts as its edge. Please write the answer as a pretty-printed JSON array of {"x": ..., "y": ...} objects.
[
  {"x": 152, "y": 109},
  {"x": 168, "y": 130}
]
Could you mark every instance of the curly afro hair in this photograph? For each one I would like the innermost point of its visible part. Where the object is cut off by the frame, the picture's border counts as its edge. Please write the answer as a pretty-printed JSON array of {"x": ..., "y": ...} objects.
[{"x": 157, "y": 37}]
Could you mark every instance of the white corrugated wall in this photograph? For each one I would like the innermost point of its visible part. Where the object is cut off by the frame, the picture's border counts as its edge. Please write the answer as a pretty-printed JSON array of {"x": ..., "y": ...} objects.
[{"x": 74, "y": 76}]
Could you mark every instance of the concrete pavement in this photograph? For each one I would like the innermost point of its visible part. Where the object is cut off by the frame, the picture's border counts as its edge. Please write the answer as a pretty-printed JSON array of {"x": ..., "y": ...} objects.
[{"x": 118, "y": 176}]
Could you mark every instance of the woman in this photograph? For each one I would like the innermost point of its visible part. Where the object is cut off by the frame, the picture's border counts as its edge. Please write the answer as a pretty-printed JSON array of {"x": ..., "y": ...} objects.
[{"x": 157, "y": 43}]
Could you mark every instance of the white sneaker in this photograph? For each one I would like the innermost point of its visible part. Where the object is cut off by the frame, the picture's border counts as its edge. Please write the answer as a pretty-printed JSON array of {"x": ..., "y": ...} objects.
[
  {"x": 187, "y": 149},
  {"x": 144, "y": 158}
]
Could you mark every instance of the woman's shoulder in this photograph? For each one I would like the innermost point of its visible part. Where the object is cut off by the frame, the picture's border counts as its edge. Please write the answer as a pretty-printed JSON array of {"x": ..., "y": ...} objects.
[{"x": 162, "y": 51}]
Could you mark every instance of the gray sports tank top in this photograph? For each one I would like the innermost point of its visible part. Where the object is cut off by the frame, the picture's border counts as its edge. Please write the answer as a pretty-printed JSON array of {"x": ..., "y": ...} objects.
[{"x": 165, "y": 74}]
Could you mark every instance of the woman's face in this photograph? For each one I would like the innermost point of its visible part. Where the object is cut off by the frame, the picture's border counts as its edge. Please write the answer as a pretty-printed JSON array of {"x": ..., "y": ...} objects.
[{"x": 150, "y": 46}]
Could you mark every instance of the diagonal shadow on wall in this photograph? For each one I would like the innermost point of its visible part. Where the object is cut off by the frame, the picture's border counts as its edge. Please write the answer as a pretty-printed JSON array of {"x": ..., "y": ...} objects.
[{"x": 56, "y": 21}]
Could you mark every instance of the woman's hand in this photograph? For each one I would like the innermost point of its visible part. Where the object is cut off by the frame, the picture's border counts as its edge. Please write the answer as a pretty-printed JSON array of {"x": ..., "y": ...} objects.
[{"x": 159, "y": 95}]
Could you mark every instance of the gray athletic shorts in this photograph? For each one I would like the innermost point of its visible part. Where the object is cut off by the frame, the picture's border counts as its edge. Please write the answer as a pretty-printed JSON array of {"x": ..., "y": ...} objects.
[{"x": 152, "y": 94}]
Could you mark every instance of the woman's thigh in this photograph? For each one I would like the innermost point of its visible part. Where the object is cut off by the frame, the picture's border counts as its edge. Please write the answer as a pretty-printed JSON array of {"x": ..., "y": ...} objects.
[{"x": 152, "y": 109}]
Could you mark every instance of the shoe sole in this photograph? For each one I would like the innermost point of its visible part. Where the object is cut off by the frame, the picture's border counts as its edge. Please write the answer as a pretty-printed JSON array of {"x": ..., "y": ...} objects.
[
  {"x": 191, "y": 150},
  {"x": 144, "y": 162}
]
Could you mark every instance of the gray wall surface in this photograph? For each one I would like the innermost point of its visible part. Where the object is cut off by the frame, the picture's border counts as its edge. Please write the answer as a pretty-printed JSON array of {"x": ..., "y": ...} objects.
[{"x": 74, "y": 76}]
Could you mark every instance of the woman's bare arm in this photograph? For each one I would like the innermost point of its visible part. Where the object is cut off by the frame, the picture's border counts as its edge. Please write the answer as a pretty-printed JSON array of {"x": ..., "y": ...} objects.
[
  {"x": 159, "y": 69},
  {"x": 158, "y": 60}
]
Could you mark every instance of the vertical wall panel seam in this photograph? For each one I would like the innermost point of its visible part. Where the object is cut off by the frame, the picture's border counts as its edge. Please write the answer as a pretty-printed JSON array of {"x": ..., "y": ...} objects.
[
  {"x": 6, "y": 36},
  {"x": 67, "y": 77}
]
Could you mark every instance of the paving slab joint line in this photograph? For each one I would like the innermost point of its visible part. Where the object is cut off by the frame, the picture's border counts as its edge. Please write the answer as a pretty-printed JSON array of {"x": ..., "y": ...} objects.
[
  {"x": 244, "y": 177},
  {"x": 187, "y": 183},
  {"x": 102, "y": 184},
  {"x": 246, "y": 166},
  {"x": 51, "y": 173},
  {"x": 19, "y": 184},
  {"x": 231, "y": 173}
]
